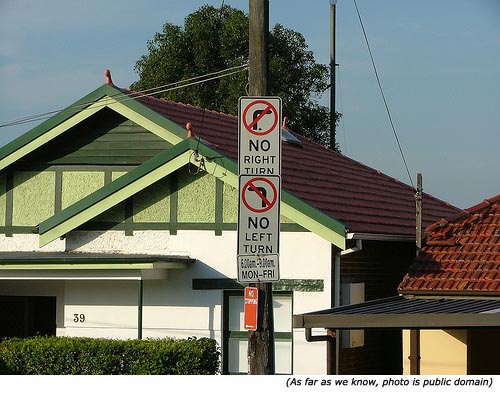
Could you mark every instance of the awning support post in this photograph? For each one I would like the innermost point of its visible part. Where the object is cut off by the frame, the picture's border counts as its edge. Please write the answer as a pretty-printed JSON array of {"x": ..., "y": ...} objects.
[
  {"x": 414, "y": 351},
  {"x": 139, "y": 308}
]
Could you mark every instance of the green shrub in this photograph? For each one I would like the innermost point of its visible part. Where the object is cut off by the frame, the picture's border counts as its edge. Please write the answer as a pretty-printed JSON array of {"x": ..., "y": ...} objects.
[{"x": 87, "y": 356}]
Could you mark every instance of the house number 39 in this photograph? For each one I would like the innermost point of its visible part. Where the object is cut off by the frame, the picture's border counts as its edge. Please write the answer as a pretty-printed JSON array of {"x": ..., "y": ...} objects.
[{"x": 78, "y": 317}]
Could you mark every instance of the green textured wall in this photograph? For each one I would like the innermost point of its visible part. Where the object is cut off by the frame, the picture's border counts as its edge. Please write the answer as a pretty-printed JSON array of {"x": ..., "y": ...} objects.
[
  {"x": 3, "y": 199},
  {"x": 114, "y": 214},
  {"x": 196, "y": 198},
  {"x": 117, "y": 174},
  {"x": 230, "y": 202},
  {"x": 153, "y": 203},
  {"x": 33, "y": 197},
  {"x": 78, "y": 184},
  {"x": 191, "y": 196}
]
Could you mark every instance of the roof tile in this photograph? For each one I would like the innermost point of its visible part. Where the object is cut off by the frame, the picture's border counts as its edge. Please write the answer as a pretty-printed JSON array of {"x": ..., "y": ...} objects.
[{"x": 464, "y": 251}]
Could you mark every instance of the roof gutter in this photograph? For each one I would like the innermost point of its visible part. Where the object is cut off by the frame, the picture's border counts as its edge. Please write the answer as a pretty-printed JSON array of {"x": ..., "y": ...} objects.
[
  {"x": 429, "y": 294},
  {"x": 379, "y": 237}
]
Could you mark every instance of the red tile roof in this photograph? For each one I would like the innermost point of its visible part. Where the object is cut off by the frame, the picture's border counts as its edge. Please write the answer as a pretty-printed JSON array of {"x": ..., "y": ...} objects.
[
  {"x": 460, "y": 255},
  {"x": 364, "y": 199}
]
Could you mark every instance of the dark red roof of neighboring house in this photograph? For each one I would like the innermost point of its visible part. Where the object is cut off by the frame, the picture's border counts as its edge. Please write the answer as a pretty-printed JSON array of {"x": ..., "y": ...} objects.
[
  {"x": 364, "y": 199},
  {"x": 461, "y": 255}
]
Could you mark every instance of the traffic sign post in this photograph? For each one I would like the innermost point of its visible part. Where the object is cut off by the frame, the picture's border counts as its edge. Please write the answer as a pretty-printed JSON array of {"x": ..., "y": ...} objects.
[{"x": 259, "y": 168}]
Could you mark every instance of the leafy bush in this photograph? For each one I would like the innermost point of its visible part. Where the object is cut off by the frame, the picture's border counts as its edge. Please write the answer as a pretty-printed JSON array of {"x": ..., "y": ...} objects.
[{"x": 87, "y": 356}]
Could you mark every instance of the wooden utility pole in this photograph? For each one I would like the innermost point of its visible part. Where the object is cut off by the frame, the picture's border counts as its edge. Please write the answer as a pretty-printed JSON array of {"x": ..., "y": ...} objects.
[
  {"x": 258, "y": 50},
  {"x": 418, "y": 210},
  {"x": 261, "y": 341}
]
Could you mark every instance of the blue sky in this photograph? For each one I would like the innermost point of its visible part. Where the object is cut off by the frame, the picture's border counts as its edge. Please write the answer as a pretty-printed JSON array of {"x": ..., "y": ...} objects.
[{"x": 438, "y": 63}]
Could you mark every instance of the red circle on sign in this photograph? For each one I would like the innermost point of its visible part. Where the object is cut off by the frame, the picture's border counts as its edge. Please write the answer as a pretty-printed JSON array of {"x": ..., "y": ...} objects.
[
  {"x": 249, "y": 127},
  {"x": 268, "y": 204}
]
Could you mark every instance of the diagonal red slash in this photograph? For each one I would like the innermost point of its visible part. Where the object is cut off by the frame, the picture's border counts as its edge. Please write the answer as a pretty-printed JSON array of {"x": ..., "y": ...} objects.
[
  {"x": 259, "y": 194},
  {"x": 260, "y": 116}
]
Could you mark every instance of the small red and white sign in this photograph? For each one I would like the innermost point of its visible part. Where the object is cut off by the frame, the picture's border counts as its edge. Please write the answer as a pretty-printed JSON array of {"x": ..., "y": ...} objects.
[{"x": 251, "y": 308}]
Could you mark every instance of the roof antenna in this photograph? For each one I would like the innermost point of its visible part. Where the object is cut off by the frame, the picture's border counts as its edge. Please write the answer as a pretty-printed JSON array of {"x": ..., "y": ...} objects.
[{"x": 109, "y": 81}]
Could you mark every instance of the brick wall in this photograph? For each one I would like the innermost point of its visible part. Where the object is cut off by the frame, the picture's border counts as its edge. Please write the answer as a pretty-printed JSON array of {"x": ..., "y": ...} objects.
[{"x": 381, "y": 266}]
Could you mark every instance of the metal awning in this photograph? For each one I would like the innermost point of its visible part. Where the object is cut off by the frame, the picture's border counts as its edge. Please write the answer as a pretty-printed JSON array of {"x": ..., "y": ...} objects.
[
  {"x": 82, "y": 260},
  {"x": 83, "y": 265},
  {"x": 400, "y": 312}
]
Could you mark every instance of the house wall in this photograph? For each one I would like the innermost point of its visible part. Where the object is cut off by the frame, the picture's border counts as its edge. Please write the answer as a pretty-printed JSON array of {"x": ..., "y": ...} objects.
[
  {"x": 184, "y": 214},
  {"x": 441, "y": 352}
]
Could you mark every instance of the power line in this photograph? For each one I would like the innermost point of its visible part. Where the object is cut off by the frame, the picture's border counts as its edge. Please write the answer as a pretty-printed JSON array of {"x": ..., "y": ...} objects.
[
  {"x": 123, "y": 97},
  {"x": 383, "y": 96}
]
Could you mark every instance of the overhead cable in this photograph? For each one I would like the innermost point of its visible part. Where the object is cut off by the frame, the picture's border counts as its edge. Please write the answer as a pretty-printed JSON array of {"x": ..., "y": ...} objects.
[
  {"x": 132, "y": 95},
  {"x": 383, "y": 96}
]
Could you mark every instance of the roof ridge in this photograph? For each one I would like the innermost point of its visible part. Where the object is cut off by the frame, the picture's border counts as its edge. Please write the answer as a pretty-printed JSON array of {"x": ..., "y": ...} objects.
[
  {"x": 465, "y": 213},
  {"x": 178, "y": 103},
  {"x": 485, "y": 203}
]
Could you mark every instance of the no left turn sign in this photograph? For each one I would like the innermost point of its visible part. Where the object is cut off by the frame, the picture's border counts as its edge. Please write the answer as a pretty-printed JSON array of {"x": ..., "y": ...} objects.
[{"x": 259, "y": 194}]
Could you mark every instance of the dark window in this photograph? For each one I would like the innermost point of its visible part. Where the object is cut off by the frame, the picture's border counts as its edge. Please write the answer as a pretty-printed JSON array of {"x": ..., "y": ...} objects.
[{"x": 25, "y": 316}]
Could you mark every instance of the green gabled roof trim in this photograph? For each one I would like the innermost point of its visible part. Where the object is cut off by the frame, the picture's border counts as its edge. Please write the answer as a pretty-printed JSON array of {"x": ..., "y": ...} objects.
[
  {"x": 104, "y": 96},
  {"x": 313, "y": 219},
  {"x": 148, "y": 118},
  {"x": 115, "y": 192},
  {"x": 37, "y": 137},
  {"x": 213, "y": 162},
  {"x": 292, "y": 207},
  {"x": 165, "y": 163},
  {"x": 51, "y": 123}
]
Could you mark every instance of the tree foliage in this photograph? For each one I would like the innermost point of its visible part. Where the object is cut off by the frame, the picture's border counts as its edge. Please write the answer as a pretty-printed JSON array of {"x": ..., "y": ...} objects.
[{"x": 215, "y": 39}]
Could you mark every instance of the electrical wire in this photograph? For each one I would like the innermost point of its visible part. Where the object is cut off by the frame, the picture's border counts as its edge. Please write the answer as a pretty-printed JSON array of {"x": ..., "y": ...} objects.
[
  {"x": 123, "y": 97},
  {"x": 383, "y": 95}
]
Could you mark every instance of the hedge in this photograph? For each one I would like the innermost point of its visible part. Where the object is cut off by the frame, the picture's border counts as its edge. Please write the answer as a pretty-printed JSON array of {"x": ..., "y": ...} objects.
[{"x": 88, "y": 356}]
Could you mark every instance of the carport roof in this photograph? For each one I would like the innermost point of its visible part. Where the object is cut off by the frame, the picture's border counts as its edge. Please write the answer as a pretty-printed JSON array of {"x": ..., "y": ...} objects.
[
  {"x": 404, "y": 313},
  {"x": 86, "y": 260}
]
